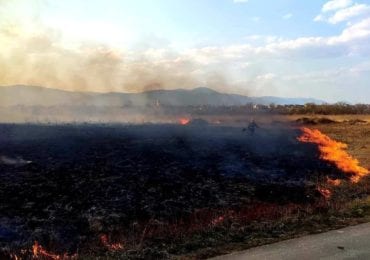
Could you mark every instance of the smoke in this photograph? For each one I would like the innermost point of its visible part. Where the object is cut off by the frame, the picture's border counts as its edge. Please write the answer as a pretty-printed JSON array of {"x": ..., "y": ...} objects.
[
  {"x": 35, "y": 54},
  {"x": 13, "y": 161},
  {"x": 41, "y": 57}
]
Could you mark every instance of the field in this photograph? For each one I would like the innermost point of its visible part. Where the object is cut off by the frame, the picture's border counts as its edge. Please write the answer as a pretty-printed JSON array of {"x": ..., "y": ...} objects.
[
  {"x": 170, "y": 191},
  {"x": 356, "y": 136}
]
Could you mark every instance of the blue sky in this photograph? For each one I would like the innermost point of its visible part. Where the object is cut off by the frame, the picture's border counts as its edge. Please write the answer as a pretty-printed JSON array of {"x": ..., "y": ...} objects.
[
  {"x": 199, "y": 22},
  {"x": 289, "y": 48}
]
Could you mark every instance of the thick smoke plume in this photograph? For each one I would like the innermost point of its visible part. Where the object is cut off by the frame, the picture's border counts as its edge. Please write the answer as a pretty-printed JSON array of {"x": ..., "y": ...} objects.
[
  {"x": 35, "y": 54},
  {"x": 41, "y": 59}
]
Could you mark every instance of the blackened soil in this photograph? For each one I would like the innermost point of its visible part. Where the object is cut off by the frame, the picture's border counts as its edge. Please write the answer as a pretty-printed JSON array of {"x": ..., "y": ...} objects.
[{"x": 62, "y": 185}]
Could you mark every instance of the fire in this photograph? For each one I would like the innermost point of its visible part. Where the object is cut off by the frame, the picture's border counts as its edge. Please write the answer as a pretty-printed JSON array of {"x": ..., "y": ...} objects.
[
  {"x": 326, "y": 193},
  {"x": 218, "y": 220},
  {"x": 334, "y": 182},
  {"x": 335, "y": 152},
  {"x": 111, "y": 246},
  {"x": 39, "y": 252},
  {"x": 184, "y": 121}
]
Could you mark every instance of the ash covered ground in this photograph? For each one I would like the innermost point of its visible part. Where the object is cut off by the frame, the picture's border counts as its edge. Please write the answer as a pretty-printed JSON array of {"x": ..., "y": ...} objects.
[{"x": 65, "y": 185}]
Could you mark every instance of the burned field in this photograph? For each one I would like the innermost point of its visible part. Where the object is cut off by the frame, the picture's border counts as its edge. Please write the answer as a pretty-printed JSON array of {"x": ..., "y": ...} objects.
[{"x": 152, "y": 191}]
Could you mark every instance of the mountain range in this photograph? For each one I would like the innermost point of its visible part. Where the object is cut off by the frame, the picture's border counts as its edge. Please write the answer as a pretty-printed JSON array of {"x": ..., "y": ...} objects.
[{"x": 40, "y": 96}]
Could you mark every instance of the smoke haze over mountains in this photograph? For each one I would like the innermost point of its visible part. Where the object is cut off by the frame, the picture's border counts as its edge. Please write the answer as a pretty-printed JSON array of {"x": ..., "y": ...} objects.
[
  {"x": 37, "y": 104},
  {"x": 133, "y": 46},
  {"x": 39, "y": 96}
]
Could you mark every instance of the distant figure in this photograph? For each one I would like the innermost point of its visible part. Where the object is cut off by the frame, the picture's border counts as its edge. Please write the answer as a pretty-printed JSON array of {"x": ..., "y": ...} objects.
[{"x": 251, "y": 127}]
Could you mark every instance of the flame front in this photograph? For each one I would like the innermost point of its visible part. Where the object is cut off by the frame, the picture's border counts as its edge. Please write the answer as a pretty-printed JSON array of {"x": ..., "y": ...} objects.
[
  {"x": 184, "y": 121},
  {"x": 335, "y": 152},
  {"x": 111, "y": 246},
  {"x": 40, "y": 253}
]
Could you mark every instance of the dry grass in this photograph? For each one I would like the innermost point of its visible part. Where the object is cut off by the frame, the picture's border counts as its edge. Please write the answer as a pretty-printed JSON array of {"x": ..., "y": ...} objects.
[
  {"x": 349, "y": 129},
  {"x": 349, "y": 205},
  {"x": 356, "y": 136}
]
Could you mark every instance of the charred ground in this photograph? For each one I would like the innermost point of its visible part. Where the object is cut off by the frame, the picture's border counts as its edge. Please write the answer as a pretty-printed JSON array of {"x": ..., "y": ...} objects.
[{"x": 148, "y": 187}]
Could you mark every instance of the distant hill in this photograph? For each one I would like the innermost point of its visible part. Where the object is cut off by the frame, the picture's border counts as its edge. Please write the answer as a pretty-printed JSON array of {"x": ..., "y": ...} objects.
[{"x": 40, "y": 96}]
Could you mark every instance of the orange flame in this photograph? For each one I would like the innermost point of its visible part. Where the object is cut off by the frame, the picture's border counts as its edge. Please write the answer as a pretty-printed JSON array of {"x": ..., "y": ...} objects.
[
  {"x": 326, "y": 193},
  {"x": 111, "y": 246},
  {"x": 39, "y": 252},
  {"x": 184, "y": 121},
  {"x": 334, "y": 182},
  {"x": 334, "y": 151}
]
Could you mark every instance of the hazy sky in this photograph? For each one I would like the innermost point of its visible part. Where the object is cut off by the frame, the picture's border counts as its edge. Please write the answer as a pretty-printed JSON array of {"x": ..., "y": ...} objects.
[{"x": 291, "y": 48}]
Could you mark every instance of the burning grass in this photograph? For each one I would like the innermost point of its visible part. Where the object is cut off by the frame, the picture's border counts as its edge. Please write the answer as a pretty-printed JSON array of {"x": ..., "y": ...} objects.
[
  {"x": 184, "y": 121},
  {"x": 163, "y": 191},
  {"x": 335, "y": 152}
]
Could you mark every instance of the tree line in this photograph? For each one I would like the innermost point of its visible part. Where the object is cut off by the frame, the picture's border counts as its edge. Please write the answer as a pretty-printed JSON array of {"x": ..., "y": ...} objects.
[{"x": 309, "y": 108}]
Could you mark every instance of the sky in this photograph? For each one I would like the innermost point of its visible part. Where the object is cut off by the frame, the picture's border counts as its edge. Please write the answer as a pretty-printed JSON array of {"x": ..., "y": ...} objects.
[{"x": 287, "y": 48}]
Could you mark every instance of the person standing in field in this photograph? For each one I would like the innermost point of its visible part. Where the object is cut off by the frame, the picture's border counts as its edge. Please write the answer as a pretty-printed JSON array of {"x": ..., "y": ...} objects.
[{"x": 252, "y": 126}]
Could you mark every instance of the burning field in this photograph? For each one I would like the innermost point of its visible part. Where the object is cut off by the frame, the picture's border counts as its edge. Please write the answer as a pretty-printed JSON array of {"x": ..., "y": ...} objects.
[{"x": 162, "y": 191}]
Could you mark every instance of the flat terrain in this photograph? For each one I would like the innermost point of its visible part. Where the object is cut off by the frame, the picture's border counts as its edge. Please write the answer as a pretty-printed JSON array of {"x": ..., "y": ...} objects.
[
  {"x": 347, "y": 243},
  {"x": 356, "y": 136},
  {"x": 165, "y": 191}
]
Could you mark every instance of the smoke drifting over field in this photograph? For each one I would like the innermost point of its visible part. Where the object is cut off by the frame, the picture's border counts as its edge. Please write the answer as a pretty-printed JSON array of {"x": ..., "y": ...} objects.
[
  {"x": 42, "y": 60},
  {"x": 35, "y": 54}
]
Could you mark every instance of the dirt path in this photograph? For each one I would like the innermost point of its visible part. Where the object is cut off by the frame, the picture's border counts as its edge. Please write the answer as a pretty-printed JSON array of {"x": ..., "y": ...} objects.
[{"x": 347, "y": 243}]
